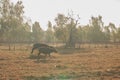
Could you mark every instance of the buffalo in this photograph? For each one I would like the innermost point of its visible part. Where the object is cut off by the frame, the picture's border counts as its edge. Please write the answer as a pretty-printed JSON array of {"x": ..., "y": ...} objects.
[
  {"x": 46, "y": 50},
  {"x": 37, "y": 45}
]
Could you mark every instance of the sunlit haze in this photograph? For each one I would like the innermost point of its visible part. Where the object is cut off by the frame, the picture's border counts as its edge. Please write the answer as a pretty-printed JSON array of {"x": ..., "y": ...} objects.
[{"x": 46, "y": 10}]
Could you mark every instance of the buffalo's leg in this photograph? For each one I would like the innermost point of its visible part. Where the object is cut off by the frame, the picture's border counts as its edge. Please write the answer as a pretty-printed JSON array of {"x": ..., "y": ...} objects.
[
  {"x": 38, "y": 57},
  {"x": 33, "y": 50},
  {"x": 49, "y": 54},
  {"x": 39, "y": 54}
]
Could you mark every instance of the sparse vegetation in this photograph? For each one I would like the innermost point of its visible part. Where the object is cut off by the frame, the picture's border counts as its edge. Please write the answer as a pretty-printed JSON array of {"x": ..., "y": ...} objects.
[
  {"x": 86, "y": 52},
  {"x": 85, "y": 64}
]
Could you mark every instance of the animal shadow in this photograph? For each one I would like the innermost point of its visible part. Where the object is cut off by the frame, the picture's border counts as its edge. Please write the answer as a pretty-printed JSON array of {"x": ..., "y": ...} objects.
[{"x": 41, "y": 58}]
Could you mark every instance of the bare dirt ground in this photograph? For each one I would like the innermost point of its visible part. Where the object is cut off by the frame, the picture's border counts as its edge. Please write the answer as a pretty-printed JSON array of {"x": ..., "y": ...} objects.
[{"x": 83, "y": 64}]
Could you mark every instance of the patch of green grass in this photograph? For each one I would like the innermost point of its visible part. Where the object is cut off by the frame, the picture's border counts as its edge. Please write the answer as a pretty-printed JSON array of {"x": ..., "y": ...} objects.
[
  {"x": 67, "y": 76},
  {"x": 63, "y": 77},
  {"x": 38, "y": 78}
]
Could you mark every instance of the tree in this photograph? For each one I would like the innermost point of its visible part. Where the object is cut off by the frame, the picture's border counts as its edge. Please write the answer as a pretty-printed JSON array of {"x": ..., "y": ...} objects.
[
  {"x": 11, "y": 21},
  {"x": 113, "y": 31},
  {"x": 4, "y": 12},
  {"x": 66, "y": 29},
  {"x": 96, "y": 29},
  {"x": 61, "y": 31},
  {"x": 72, "y": 31},
  {"x": 49, "y": 34},
  {"x": 37, "y": 32},
  {"x": 118, "y": 34},
  {"x": 106, "y": 34}
]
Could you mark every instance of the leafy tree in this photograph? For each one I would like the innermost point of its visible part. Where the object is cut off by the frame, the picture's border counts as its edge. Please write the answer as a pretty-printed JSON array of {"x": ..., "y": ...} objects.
[
  {"x": 80, "y": 34},
  {"x": 66, "y": 29},
  {"x": 113, "y": 31},
  {"x": 86, "y": 36},
  {"x": 106, "y": 34},
  {"x": 118, "y": 34},
  {"x": 72, "y": 31},
  {"x": 49, "y": 35},
  {"x": 96, "y": 29},
  {"x": 37, "y": 32},
  {"x": 61, "y": 31},
  {"x": 11, "y": 21}
]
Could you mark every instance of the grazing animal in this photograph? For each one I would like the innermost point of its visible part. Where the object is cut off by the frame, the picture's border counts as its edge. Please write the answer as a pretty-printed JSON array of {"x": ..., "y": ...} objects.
[
  {"x": 37, "y": 45},
  {"x": 46, "y": 50}
]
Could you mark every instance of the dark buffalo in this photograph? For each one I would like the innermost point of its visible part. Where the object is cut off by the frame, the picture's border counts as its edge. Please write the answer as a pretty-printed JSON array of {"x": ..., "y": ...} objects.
[
  {"x": 47, "y": 50},
  {"x": 37, "y": 45}
]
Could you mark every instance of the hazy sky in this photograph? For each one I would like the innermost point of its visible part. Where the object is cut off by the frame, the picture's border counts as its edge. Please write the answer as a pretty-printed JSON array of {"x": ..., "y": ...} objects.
[{"x": 44, "y": 10}]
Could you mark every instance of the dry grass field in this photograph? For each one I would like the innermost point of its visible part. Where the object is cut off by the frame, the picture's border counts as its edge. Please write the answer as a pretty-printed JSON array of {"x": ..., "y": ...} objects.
[{"x": 79, "y": 64}]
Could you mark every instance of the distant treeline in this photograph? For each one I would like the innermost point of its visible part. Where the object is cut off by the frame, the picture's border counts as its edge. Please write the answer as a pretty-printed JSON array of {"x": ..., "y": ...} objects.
[{"x": 15, "y": 28}]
